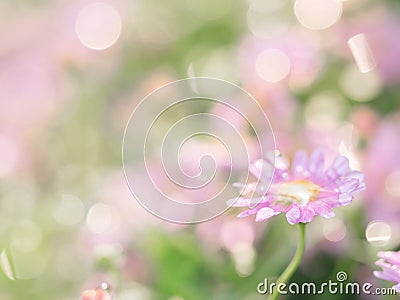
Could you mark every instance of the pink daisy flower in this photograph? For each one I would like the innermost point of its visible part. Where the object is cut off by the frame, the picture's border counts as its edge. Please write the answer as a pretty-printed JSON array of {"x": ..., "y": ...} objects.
[
  {"x": 301, "y": 191},
  {"x": 390, "y": 263}
]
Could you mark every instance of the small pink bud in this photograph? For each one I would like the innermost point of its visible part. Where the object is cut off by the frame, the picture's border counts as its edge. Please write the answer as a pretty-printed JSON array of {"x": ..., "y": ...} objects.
[{"x": 97, "y": 294}]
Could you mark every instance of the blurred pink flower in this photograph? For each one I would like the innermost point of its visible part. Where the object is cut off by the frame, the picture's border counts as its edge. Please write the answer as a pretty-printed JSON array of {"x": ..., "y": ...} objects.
[
  {"x": 68, "y": 51},
  {"x": 97, "y": 294},
  {"x": 227, "y": 232},
  {"x": 302, "y": 192},
  {"x": 365, "y": 119},
  {"x": 30, "y": 90},
  {"x": 275, "y": 98},
  {"x": 124, "y": 215},
  {"x": 15, "y": 159},
  {"x": 381, "y": 164},
  {"x": 299, "y": 48},
  {"x": 390, "y": 263},
  {"x": 33, "y": 87}
]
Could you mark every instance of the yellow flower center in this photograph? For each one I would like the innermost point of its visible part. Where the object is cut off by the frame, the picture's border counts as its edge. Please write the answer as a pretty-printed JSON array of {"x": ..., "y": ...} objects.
[{"x": 301, "y": 191}]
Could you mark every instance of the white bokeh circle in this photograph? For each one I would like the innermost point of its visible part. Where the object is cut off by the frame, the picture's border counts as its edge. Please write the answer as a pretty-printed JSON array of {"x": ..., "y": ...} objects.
[{"x": 98, "y": 26}]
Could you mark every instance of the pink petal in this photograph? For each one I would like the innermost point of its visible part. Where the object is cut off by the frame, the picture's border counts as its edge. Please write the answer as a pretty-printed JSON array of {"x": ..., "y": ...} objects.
[
  {"x": 390, "y": 256},
  {"x": 316, "y": 163},
  {"x": 279, "y": 207},
  {"x": 247, "y": 213},
  {"x": 386, "y": 276},
  {"x": 322, "y": 209},
  {"x": 345, "y": 199},
  {"x": 262, "y": 170},
  {"x": 299, "y": 164},
  {"x": 331, "y": 200},
  {"x": 348, "y": 185},
  {"x": 360, "y": 187},
  {"x": 356, "y": 175},
  {"x": 281, "y": 163},
  {"x": 252, "y": 187},
  {"x": 389, "y": 271},
  {"x": 382, "y": 275},
  {"x": 244, "y": 202},
  {"x": 338, "y": 168},
  {"x": 265, "y": 213},
  {"x": 381, "y": 263},
  {"x": 293, "y": 215},
  {"x": 307, "y": 214}
]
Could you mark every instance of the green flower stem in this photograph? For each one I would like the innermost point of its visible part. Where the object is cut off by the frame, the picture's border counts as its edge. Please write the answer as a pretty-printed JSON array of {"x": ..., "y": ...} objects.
[{"x": 295, "y": 262}]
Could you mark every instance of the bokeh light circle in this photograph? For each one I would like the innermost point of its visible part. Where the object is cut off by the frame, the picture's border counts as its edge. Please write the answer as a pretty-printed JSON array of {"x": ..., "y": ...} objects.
[
  {"x": 98, "y": 26},
  {"x": 272, "y": 65},
  {"x": 198, "y": 114},
  {"x": 318, "y": 14},
  {"x": 102, "y": 218},
  {"x": 334, "y": 230},
  {"x": 359, "y": 86},
  {"x": 378, "y": 233}
]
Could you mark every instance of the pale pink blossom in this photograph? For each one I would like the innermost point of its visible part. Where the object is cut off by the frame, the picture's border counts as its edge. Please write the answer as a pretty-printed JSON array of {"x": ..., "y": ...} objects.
[{"x": 301, "y": 192}]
